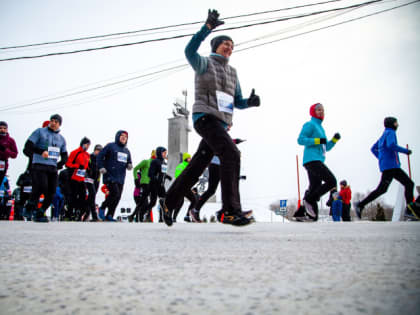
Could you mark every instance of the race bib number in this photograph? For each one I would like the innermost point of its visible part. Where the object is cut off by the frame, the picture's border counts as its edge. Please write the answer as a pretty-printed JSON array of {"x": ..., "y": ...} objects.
[
  {"x": 1, "y": 193},
  {"x": 224, "y": 102},
  {"x": 89, "y": 180},
  {"x": 81, "y": 173},
  {"x": 2, "y": 165},
  {"x": 53, "y": 153},
  {"x": 122, "y": 157},
  {"x": 9, "y": 203},
  {"x": 164, "y": 168},
  {"x": 27, "y": 189}
]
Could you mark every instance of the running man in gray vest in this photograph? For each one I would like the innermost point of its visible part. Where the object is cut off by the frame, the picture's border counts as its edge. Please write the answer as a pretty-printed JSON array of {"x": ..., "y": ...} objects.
[
  {"x": 46, "y": 146},
  {"x": 217, "y": 92}
]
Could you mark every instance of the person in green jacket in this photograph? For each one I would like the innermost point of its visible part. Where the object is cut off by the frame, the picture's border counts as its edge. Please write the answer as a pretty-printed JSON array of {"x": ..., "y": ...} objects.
[
  {"x": 191, "y": 196},
  {"x": 142, "y": 190}
]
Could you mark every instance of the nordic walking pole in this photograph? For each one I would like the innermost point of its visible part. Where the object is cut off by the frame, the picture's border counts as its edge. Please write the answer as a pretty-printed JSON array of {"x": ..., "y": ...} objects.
[
  {"x": 409, "y": 165},
  {"x": 297, "y": 171}
]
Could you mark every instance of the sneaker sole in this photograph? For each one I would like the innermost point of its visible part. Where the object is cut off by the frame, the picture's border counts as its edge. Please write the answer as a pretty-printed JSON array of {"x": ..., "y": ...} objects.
[
  {"x": 223, "y": 221},
  {"x": 166, "y": 213}
]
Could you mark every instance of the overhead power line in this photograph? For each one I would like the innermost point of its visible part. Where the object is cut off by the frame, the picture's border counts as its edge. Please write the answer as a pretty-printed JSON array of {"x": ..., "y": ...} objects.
[
  {"x": 188, "y": 35},
  {"x": 164, "y": 27},
  {"x": 183, "y": 66},
  {"x": 329, "y": 26}
]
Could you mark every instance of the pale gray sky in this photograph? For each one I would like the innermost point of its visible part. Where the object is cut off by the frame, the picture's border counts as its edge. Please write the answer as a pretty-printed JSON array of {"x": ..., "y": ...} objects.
[{"x": 361, "y": 71}]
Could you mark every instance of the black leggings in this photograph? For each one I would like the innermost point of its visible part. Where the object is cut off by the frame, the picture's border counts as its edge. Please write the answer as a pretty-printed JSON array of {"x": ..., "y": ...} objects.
[
  {"x": 386, "y": 179},
  {"x": 141, "y": 202},
  {"x": 91, "y": 205},
  {"x": 214, "y": 179},
  {"x": 215, "y": 141},
  {"x": 321, "y": 180},
  {"x": 44, "y": 181},
  {"x": 193, "y": 200},
  {"x": 77, "y": 203},
  {"x": 111, "y": 202}
]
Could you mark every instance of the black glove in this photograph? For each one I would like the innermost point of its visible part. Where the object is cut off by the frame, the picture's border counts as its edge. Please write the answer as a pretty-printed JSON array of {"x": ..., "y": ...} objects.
[
  {"x": 323, "y": 141},
  {"x": 253, "y": 100},
  {"x": 237, "y": 141},
  {"x": 213, "y": 19},
  {"x": 409, "y": 152},
  {"x": 337, "y": 136},
  {"x": 2, "y": 147},
  {"x": 60, "y": 165},
  {"x": 81, "y": 167}
]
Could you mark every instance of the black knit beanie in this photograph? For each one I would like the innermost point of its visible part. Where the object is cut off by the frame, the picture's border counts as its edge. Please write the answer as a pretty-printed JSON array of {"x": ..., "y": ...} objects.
[
  {"x": 84, "y": 141},
  {"x": 57, "y": 117},
  {"x": 3, "y": 123},
  {"x": 215, "y": 42},
  {"x": 389, "y": 122}
]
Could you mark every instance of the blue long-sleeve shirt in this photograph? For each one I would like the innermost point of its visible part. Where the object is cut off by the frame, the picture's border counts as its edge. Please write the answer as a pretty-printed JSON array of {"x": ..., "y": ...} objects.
[{"x": 200, "y": 63}]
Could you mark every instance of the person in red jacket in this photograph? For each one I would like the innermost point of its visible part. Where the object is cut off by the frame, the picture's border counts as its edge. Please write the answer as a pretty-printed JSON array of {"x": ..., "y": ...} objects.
[
  {"x": 78, "y": 161},
  {"x": 7, "y": 149},
  {"x": 345, "y": 194}
]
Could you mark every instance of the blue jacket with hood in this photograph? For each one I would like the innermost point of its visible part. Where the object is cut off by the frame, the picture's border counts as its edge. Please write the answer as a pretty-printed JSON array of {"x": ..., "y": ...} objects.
[
  {"x": 386, "y": 150},
  {"x": 115, "y": 158}
]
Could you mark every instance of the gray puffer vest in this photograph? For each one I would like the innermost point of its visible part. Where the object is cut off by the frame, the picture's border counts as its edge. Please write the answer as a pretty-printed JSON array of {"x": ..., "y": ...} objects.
[{"x": 218, "y": 77}]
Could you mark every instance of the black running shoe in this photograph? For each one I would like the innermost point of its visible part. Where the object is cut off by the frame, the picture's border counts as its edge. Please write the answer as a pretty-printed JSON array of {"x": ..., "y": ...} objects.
[
  {"x": 409, "y": 216},
  {"x": 167, "y": 214},
  {"x": 39, "y": 216},
  {"x": 195, "y": 216},
  {"x": 236, "y": 219},
  {"x": 414, "y": 207}
]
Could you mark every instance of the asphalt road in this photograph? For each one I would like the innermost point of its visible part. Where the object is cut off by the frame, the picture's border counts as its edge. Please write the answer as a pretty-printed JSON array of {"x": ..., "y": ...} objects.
[{"x": 266, "y": 268}]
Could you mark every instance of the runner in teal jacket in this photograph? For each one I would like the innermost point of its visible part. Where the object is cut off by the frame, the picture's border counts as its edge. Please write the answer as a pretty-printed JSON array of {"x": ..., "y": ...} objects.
[{"x": 321, "y": 179}]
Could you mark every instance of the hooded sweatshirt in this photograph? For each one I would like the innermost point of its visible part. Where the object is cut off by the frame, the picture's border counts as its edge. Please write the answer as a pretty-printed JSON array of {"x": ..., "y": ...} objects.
[
  {"x": 115, "y": 158},
  {"x": 10, "y": 151}
]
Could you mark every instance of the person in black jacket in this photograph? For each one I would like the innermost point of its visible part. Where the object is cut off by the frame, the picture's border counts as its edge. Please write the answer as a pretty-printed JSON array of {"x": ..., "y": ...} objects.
[
  {"x": 113, "y": 161},
  {"x": 157, "y": 175},
  {"x": 24, "y": 184}
]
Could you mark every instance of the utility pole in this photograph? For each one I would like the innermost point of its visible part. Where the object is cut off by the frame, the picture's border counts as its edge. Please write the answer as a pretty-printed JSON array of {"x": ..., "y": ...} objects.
[{"x": 178, "y": 133}]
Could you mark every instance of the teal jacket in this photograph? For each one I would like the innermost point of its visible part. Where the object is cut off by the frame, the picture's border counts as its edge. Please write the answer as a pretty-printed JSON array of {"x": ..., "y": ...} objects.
[{"x": 312, "y": 130}]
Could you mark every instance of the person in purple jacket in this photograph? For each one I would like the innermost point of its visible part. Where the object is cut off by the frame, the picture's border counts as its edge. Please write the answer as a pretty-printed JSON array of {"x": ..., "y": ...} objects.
[
  {"x": 7, "y": 149},
  {"x": 386, "y": 150}
]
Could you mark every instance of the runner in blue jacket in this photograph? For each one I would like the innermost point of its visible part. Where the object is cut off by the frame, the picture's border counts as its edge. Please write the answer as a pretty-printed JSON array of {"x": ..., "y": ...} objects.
[
  {"x": 386, "y": 150},
  {"x": 321, "y": 179},
  {"x": 113, "y": 161}
]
